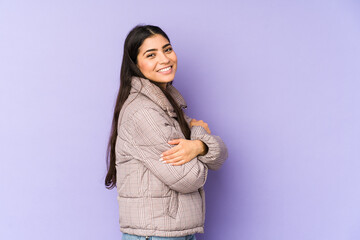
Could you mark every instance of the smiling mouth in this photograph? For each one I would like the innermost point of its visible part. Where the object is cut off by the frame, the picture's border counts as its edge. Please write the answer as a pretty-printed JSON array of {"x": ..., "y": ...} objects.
[{"x": 165, "y": 69}]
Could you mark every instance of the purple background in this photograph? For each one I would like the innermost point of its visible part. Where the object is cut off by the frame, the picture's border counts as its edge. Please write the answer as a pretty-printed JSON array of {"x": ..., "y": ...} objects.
[{"x": 277, "y": 80}]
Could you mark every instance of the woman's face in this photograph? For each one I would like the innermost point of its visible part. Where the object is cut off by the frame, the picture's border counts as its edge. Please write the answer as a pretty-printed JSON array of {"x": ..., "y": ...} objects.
[{"x": 157, "y": 60}]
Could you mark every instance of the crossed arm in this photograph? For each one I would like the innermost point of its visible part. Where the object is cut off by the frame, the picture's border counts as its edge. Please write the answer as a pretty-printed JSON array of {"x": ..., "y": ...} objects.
[
  {"x": 185, "y": 150},
  {"x": 150, "y": 139}
]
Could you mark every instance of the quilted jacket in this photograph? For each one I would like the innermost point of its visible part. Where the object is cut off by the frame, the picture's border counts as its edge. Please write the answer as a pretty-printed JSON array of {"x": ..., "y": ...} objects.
[{"x": 157, "y": 199}]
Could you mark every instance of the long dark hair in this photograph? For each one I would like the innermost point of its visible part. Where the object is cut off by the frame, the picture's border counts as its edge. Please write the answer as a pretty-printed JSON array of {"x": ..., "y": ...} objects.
[{"x": 129, "y": 69}]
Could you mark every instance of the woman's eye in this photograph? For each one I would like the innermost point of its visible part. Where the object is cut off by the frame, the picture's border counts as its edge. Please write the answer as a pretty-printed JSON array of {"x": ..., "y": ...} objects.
[
  {"x": 151, "y": 55},
  {"x": 168, "y": 50}
]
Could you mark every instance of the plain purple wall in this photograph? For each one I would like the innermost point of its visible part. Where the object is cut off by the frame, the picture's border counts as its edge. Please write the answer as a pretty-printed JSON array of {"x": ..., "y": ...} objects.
[{"x": 277, "y": 80}]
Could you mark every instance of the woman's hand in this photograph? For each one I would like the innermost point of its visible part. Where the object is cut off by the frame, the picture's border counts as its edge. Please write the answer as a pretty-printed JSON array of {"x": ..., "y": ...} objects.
[
  {"x": 185, "y": 151},
  {"x": 195, "y": 122}
]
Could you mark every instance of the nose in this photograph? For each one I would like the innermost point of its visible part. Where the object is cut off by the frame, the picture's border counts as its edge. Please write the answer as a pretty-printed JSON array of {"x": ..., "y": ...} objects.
[{"x": 163, "y": 58}]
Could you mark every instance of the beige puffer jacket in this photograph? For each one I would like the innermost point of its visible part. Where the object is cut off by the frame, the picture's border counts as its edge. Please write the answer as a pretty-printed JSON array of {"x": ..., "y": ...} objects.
[{"x": 157, "y": 199}]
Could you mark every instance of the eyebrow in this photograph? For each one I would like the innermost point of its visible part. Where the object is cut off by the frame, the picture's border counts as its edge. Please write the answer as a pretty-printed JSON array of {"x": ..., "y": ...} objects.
[{"x": 155, "y": 49}]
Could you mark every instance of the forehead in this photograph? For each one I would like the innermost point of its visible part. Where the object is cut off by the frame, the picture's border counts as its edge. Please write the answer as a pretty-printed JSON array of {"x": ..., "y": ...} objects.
[{"x": 155, "y": 41}]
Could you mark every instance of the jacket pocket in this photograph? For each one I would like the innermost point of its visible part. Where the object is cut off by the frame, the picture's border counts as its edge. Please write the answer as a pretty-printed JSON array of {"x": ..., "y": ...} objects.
[{"x": 173, "y": 204}]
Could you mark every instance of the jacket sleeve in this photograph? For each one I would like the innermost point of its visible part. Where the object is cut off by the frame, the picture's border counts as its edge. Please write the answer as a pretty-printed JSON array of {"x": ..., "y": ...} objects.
[
  {"x": 150, "y": 133},
  {"x": 217, "y": 150}
]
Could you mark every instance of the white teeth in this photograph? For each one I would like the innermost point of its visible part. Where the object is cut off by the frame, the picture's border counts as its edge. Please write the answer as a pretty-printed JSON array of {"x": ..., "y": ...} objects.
[{"x": 165, "y": 69}]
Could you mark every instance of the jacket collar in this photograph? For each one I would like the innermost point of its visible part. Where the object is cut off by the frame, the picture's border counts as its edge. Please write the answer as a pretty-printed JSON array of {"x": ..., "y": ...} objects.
[{"x": 156, "y": 95}]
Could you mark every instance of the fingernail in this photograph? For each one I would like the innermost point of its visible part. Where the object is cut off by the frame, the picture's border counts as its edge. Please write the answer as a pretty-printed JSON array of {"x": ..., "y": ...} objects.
[
  {"x": 161, "y": 155},
  {"x": 160, "y": 159},
  {"x": 164, "y": 162}
]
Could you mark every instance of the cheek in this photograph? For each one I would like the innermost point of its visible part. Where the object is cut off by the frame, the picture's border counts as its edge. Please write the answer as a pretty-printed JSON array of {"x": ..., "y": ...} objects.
[
  {"x": 146, "y": 66},
  {"x": 174, "y": 58}
]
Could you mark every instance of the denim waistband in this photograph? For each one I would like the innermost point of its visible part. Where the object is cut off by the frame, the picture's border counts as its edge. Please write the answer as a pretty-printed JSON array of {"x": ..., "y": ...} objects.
[{"x": 127, "y": 236}]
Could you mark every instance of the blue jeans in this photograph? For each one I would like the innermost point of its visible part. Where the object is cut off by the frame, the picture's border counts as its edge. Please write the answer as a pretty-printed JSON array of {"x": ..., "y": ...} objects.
[{"x": 126, "y": 236}]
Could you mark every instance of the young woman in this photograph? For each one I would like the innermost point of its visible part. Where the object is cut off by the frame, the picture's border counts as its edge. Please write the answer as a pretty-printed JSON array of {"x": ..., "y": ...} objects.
[{"x": 158, "y": 157}]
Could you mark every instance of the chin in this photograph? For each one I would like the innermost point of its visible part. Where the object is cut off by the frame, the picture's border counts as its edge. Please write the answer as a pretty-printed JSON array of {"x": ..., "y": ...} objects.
[{"x": 165, "y": 80}]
